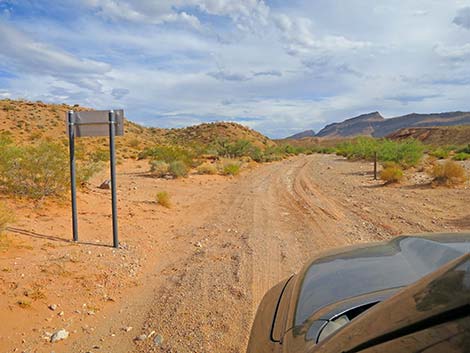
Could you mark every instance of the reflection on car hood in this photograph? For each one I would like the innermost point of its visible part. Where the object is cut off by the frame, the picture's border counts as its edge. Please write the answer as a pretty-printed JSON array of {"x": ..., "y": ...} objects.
[{"x": 374, "y": 268}]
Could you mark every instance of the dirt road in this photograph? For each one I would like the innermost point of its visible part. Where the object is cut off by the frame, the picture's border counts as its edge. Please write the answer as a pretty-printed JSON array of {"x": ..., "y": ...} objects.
[
  {"x": 226, "y": 242},
  {"x": 265, "y": 226}
]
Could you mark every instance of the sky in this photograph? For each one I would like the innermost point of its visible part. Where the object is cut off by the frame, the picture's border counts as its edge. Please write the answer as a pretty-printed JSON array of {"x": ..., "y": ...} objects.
[{"x": 279, "y": 67}]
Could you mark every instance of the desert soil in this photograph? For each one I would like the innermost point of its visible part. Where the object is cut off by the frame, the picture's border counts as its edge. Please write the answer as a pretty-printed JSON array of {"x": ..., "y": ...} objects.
[{"x": 190, "y": 277}]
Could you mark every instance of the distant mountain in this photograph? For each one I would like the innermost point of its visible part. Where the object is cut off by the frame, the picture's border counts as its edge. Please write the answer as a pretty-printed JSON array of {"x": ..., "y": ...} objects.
[
  {"x": 374, "y": 124},
  {"x": 298, "y": 136},
  {"x": 360, "y": 125}
]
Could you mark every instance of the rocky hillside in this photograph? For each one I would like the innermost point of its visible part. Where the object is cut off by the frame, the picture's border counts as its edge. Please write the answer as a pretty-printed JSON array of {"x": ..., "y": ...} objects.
[
  {"x": 209, "y": 132},
  {"x": 27, "y": 122},
  {"x": 436, "y": 136},
  {"x": 375, "y": 125},
  {"x": 301, "y": 135},
  {"x": 361, "y": 125}
]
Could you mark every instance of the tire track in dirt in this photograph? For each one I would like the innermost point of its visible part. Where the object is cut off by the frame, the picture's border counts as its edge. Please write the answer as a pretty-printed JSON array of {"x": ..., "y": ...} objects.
[{"x": 266, "y": 225}]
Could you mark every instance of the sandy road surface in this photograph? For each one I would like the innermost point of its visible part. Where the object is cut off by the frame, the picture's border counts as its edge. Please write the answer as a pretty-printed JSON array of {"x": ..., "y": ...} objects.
[{"x": 225, "y": 242}]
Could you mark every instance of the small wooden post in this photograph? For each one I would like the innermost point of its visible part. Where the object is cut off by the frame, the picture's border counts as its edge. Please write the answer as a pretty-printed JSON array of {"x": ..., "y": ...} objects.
[{"x": 375, "y": 165}]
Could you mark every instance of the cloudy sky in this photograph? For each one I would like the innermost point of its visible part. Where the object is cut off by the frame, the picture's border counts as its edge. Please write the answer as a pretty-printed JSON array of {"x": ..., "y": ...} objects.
[{"x": 277, "y": 66}]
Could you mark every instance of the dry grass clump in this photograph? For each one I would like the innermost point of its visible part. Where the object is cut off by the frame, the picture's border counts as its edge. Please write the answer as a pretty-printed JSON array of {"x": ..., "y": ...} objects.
[
  {"x": 159, "y": 168},
  {"x": 207, "y": 168},
  {"x": 164, "y": 199},
  {"x": 231, "y": 168},
  {"x": 392, "y": 173},
  {"x": 5, "y": 218},
  {"x": 448, "y": 173},
  {"x": 178, "y": 169}
]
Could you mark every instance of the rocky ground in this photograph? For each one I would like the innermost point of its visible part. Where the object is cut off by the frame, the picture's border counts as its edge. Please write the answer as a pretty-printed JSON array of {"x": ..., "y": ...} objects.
[{"x": 189, "y": 278}]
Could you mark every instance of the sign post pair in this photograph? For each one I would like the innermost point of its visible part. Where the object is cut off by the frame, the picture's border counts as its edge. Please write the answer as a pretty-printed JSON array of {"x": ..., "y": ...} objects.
[{"x": 95, "y": 123}]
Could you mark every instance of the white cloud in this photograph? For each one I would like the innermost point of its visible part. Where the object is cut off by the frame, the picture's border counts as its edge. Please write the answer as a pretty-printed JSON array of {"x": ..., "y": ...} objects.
[
  {"x": 300, "y": 40},
  {"x": 453, "y": 52},
  {"x": 27, "y": 55},
  {"x": 243, "y": 12}
]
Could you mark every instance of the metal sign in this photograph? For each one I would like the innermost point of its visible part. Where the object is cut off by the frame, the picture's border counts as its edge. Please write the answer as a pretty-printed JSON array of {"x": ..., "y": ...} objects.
[{"x": 95, "y": 123}]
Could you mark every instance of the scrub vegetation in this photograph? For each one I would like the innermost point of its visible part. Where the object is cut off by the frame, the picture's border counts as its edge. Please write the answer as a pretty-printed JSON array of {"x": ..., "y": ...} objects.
[{"x": 448, "y": 173}]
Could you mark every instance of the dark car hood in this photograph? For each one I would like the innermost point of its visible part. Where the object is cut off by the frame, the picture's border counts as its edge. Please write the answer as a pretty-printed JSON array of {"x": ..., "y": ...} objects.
[{"x": 377, "y": 268}]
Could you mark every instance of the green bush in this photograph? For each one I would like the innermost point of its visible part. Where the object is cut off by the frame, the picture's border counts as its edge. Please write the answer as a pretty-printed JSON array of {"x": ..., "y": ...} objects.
[
  {"x": 461, "y": 156},
  {"x": 464, "y": 149},
  {"x": 100, "y": 155},
  {"x": 34, "y": 171},
  {"x": 231, "y": 168},
  {"x": 168, "y": 154},
  {"x": 159, "y": 168},
  {"x": 178, "y": 169},
  {"x": 86, "y": 169},
  {"x": 406, "y": 153},
  {"x": 40, "y": 170},
  {"x": 440, "y": 153}
]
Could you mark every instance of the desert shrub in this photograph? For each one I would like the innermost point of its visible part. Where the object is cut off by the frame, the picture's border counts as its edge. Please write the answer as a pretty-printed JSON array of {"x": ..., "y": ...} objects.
[
  {"x": 34, "y": 171},
  {"x": 440, "y": 153},
  {"x": 461, "y": 156},
  {"x": 39, "y": 170},
  {"x": 100, "y": 155},
  {"x": 159, "y": 168},
  {"x": 359, "y": 148},
  {"x": 448, "y": 173},
  {"x": 407, "y": 153},
  {"x": 178, "y": 169},
  {"x": 6, "y": 218},
  {"x": 207, "y": 168},
  {"x": 392, "y": 173},
  {"x": 86, "y": 169},
  {"x": 231, "y": 168},
  {"x": 134, "y": 143},
  {"x": 164, "y": 199},
  {"x": 322, "y": 150},
  {"x": 465, "y": 149},
  {"x": 168, "y": 154}
]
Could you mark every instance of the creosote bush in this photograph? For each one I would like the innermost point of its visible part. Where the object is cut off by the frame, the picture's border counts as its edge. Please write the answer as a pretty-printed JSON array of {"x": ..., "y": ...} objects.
[
  {"x": 159, "y": 168},
  {"x": 178, "y": 169},
  {"x": 40, "y": 170},
  {"x": 207, "y": 168},
  {"x": 34, "y": 171},
  {"x": 448, "y": 173},
  {"x": 392, "y": 173},
  {"x": 168, "y": 154},
  {"x": 163, "y": 198},
  {"x": 231, "y": 168},
  {"x": 5, "y": 218}
]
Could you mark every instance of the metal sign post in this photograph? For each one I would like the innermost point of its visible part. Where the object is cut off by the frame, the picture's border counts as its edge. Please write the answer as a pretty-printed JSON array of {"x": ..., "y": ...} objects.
[
  {"x": 95, "y": 123},
  {"x": 73, "y": 177},
  {"x": 112, "y": 155}
]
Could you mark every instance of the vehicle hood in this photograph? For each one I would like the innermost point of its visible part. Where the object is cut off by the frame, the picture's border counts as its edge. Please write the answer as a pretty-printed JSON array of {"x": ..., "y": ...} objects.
[{"x": 370, "y": 269}]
